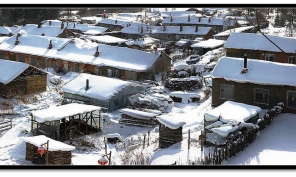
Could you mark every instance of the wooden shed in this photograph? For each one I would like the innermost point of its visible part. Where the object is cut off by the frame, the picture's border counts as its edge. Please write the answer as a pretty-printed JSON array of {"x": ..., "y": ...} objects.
[
  {"x": 67, "y": 121},
  {"x": 20, "y": 78},
  {"x": 138, "y": 118},
  {"x": 170, "y": 130},
  {"x": 58, "y": 153}
]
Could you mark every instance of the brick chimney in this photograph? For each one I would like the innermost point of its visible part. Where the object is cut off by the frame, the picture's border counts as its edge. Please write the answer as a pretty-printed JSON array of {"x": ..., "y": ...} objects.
[
  {"x": 97, "y": 52},
  {"x": 74, "y": 25},
  {"x": 50, "y": 45},
  {"x": 196, "y": 28},
  {"x": 199, "y": 19},
  {"x": 10, "y": 34},
  {"x": 49, "y": 22},
  {"x": 39, "y": 25},
  {"x": 181, "y": 28},
  {"x": 209, "y": 19},
  {"x": 141, "y": 29},
  {"x": 164, "y": 28},
  {"x": 188, "y": 18},
  {"x": 17, "y": 41},
  {"x": 62, "y": 25},
  {"x": 115, "y": 21},
  {"x": 87, "y": 84},
  {"x": 171, "y": 18}
]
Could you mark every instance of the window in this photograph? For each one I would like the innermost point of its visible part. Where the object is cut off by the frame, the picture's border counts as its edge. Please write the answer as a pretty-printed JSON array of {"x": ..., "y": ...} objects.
[
  {"x": 112, "y": 73},
  {"x": 33, "y": 61},
  {"x": 261, "y": 96},
  {"x": 76, "y": 67},
  {"x": 12, "y": 57},
  {"x": 291, "y": 99},
  {"x": 292, "y": 59},
  {"x": 227, "y": 91},
  {"x": 1, "y": 55},
  {"x": 269, "y": 57},
  {"x": 22, "y": 58}
]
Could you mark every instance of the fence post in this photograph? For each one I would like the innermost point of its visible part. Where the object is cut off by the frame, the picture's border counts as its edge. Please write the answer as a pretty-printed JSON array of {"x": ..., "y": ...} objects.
[
  {"x": 144, "y": 140},
  {"x": 148, "y": 137},
  {"x": 189, "y": 139}
]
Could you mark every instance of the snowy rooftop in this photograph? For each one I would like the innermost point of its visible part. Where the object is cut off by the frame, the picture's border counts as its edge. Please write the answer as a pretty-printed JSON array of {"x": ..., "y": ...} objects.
[
  {"x": 252, "y": 41},
  {"x": 229, "y": 111},
  {"x": 103, "y": 91},
  {"x": 53, "y": 145},
  {"x": 59, "y": 112},
  {"x": 210, "y": 43},
  {"x": 235, "y": 30},
  {"x": 168, "y": 30},
  {"x": 177, "y": 13},
  {"x": 9, "y": 70},
  {"x": 107, "y": 39},
  {"x": 171, "y": 122},
  {"x": 259, "y": 71},
  {"x": 33, "y": 29},
  {"x": 5, "y": 30},
  {"x": 193, "y": 20},
  {"x": 141, "y": 42},
  {"x": 34, "y": 45},
  {"x": 138, "y": 114}
]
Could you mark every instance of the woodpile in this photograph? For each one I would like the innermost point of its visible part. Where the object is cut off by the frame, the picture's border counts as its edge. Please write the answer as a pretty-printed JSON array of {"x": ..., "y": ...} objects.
[{"x": 182, "y": 84}]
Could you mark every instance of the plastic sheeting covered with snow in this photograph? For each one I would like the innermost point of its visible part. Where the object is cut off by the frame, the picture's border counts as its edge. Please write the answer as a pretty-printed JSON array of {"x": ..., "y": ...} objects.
[
  {"x": 107, "y": 39},
  {"x": 9, "y": 70},
  {"x": 59, "y": 112},
  {"x": 53, "y": 145},
  {"x": 171, "y": 122},
  {"x": 210, "y": 43},
  {"x": 229, "y": 111},
  {"x": 259, "y": 72},
  {"x": 138, "y": 114}
]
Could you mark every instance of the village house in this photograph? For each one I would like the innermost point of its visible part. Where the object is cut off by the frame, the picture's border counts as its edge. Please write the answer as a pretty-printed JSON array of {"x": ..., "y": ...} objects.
[
  {"x": 84, "y": 56},
  {"x": 113, "y": 24},
  {"x": 257, "y": 46},
  {"x": 254, "y": 82},
  {"x": 202, "y": 47},
  {"x": 20, "y": 78},
  {"x": 179, "y": 13},
  {"x": 168, "y": 33},
  {"x": 217, "y": 24},
  {"x": 109, "y": 93}
]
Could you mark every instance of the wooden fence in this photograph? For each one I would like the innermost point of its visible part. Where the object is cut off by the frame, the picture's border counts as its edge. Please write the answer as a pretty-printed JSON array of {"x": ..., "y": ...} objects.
[
  {"x": 233, "y": 147},
  {"x": 5, "y": 125}
]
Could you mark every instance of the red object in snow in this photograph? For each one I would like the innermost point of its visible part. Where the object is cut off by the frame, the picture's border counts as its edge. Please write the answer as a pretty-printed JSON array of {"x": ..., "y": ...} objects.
[
  {"x": 41, "y": 150},
  {"x": 103, "y": 161},
  {"x": 61, "y": 93}
]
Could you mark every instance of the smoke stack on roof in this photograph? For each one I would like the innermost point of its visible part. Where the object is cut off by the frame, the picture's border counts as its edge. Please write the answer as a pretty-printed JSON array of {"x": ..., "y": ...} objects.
[
  {"x": 62, "y": 25},
  {"x": 39, "y": 25},
  {"x": 10, "y": 34},
  {"x": 97, "y": 52},
  {"x": 50, "y": 45},
  {"x": 196, "y": 28},
  {"x": 49, "y": 22},
  {"x": 115, "y": 21},
  {"x": 164, "y": 28},
  {"x": 188, "y": 18},
  {"x": 209, "y": 19},
  {"x": 141, "y": 29},
  {"x": 17, "y": 41},
  {"x": 245, "y": 69},
  {"x": 181, "y": 28},
  {"x": 171, "y": 18},
  {"x": 198, "y": 19},
  {"x": 87, "y": 84}
]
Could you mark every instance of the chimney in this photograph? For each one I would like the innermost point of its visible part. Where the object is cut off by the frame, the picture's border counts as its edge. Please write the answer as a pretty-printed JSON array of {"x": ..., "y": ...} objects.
[
  {"x": 171, "y": 18},
  {"x": 39, "y": 26},
  {"x": 198, "y": 19},
  {"x": 245, "y": 69},
  {"x": 50, "y": 45},
  {"x": 42, "y": 34},
  {"x": 164, "y": 28},
  {"x": 142, "y": 29},
  {"x": 62, "y": 25},
  {"x": 188, "y": 18},
  {"x": 10, "y": 34},
  {"x": 209, "y": 19},
  {"x": 196, "y": 28},
  {"x": 181, "y": 28},
  {"x": 115, "y": 21},
  {"x": 24, "y": 22},
  {"x": 74, "y": 25},
  {"x": 87, "y": 84},
  {"x": 97, "y": 52},
  {"x": 17, "y": 41},
  {"x": 49, "y": 22}
]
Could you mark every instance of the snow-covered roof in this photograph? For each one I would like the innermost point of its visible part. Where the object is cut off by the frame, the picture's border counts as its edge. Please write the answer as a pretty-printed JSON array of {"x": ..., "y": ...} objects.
[
  {"x": 259, "y": 71},
  {"x": 114, "y": 21},
  {"x": 5, "y": 30},
  {"x": 177, "y": 13},
  {"x": 171, "y": 122},
  {"x": 59, "y": 112},
  {"x": 114, "y": 135},
  {"x": 232, "y": 111},
  {"x": 210, "y": 43},
  {"x": 9, "y": 70},
  {"x": 141, "y": 42},
  {"x": 194, "y": 20},
  {"x": 107, "y": 39},
  {"x": 34, "y": 45},
  {"x": 182, "y": 42},
  {"x": 138, "y": 114},
  {"x": 3, "y": 38},
  {"x": 106, "y": 88},
  {"x": 53, "y": 145},
  {"x": 168, "y": 30},
  {"x": 251, "y": 41},
  {"x": 33, "y": 29},
  {"x": 235, "y": 30}
]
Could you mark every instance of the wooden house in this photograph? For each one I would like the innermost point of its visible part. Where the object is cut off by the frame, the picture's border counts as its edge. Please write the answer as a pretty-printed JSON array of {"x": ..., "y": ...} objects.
[
  {"x": 257, "y": 46},
  {"x": 138, "y": 118},
  {"x": 20, "y": 78},
  {"x": 170, "y": 130},
  {"x": 217, "y": 24},
  {"x": 224, "y": 35},
  {"x": 106, "y": 92},
  {"x": 58, "y": 153},
  {"x": 254, "y": 82},
  {"x": 78, "y": 55},
  {"x": 66, "y": 122},
  {"x": 202, "y": 47},
  {"x": 168, "y": 33}
]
